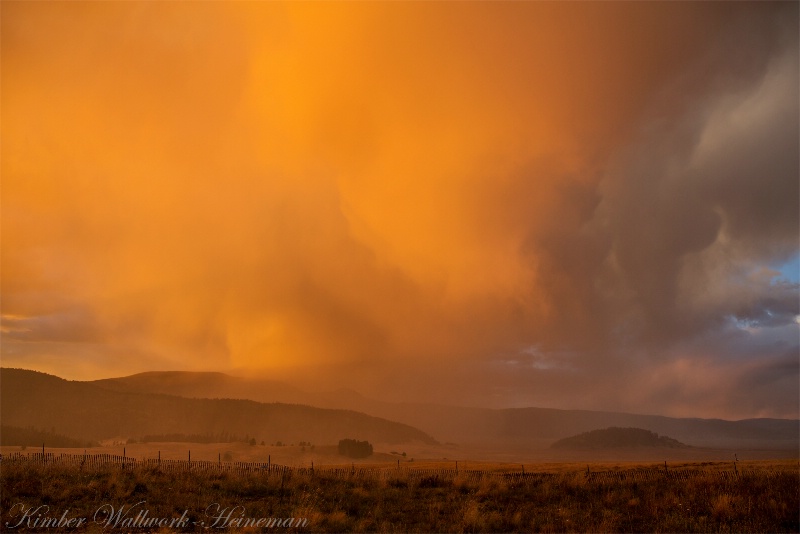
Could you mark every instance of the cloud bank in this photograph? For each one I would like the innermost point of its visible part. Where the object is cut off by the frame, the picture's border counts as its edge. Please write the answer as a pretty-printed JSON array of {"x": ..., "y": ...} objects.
[{"x": 569, "y": 205}]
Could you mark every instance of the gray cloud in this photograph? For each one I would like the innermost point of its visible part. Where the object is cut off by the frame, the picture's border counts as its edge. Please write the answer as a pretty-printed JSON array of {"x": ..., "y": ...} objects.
[{"x": 580, "y": 216}]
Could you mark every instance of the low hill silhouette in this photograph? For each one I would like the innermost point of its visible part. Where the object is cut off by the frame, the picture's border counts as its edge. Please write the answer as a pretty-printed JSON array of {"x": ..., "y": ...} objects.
[
  {"x": 85, "y": 411},
  {"x": 615, "y": 437},
  {"x": 207, "y": 385},
  {"x": 509, "y": 427}
]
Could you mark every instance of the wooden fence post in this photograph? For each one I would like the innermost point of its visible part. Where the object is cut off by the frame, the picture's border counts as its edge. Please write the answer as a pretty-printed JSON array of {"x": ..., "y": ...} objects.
[{"x": 283, "y": 474}]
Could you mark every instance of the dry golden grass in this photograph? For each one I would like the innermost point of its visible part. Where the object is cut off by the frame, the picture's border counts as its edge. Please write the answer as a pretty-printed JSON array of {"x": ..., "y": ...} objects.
[{"x": 560, "y": 499}]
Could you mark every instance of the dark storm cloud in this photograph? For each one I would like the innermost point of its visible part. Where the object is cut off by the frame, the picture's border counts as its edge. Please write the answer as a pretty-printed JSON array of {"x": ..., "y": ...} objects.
[
  {"x": 711, "y": 192},
  {"x": 570, "y": 204}
]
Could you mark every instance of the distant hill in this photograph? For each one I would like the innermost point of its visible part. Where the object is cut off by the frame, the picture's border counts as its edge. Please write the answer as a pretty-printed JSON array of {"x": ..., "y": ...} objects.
[
  {"x": 85, "y": 411},
  {"x": 207, "y": 386},
  {"x": 615, "y": 437},
  {"x": 512, "y": 427}
]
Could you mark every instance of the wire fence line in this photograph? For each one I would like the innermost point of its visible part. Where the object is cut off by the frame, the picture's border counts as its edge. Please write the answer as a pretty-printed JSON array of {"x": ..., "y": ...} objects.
[{"x": 422, "y": 475}]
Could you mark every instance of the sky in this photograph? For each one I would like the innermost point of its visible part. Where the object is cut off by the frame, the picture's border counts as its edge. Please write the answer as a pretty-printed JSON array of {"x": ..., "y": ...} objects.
[{"x": 568, "y": 205}]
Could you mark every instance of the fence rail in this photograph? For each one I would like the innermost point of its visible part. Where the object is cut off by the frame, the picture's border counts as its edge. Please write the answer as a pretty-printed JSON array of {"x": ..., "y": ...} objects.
[{"x": 426, "y": 475}]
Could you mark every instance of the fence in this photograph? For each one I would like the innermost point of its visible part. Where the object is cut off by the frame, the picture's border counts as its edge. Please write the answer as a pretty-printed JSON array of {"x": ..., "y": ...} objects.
[
  {"x": 112, "y": 461},
  {"x": 100, "y": 461}
]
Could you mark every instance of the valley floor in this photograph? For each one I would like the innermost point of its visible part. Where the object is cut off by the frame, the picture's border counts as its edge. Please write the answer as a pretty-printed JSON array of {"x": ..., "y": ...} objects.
[{"x": 417, "y": 454}]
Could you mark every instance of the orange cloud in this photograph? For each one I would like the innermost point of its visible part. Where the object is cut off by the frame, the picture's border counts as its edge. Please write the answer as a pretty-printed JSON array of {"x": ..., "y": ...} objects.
[{"x": 357, "y": 191}]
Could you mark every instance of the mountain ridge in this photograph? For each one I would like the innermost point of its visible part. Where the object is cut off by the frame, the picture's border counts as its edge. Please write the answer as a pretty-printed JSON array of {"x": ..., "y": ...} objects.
[
  {"x": 529, "y": 427},
  {"x": 87, "y": 411},
  {"x": 516, "y": 426}
]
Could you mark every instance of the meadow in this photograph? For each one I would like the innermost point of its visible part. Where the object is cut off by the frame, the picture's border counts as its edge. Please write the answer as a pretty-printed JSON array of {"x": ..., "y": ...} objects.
[{"x": 755, "y": 496}]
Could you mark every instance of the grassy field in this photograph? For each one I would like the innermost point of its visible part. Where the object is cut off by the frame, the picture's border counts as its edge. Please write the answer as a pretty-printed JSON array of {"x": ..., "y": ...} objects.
[{"x": 764, "y": 496}]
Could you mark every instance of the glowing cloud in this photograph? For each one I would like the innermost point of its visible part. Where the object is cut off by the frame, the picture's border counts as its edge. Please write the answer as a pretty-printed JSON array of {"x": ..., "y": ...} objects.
[{"x": 401, "y": 197}]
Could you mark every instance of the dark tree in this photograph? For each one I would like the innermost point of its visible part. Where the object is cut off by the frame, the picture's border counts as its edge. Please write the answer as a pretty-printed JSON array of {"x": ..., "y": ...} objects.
[{"x": 354, "y": 448}]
